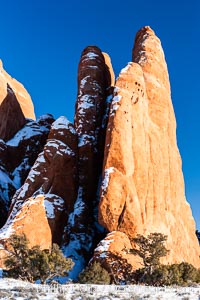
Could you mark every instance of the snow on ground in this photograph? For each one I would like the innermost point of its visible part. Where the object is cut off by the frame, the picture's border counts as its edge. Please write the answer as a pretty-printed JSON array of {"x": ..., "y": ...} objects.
[{"x": 20, "y": 290}]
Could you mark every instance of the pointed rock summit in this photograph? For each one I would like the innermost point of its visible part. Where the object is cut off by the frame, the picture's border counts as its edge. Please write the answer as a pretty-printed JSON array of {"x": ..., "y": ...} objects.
[{"x": 143, "y": 187}]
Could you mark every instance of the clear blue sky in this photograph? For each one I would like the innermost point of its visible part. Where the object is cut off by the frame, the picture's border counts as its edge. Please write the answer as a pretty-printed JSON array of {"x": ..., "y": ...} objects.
[{"x": 41, "y": 43}]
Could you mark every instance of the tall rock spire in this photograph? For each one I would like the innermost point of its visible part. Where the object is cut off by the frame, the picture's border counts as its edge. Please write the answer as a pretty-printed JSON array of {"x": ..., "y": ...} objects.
[
  {"x": 94, "y": 81},
  {"x": 143, "y": 186}
]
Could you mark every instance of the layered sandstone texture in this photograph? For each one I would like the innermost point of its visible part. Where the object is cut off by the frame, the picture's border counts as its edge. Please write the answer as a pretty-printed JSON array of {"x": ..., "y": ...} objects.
[
  {"x": 20, "y": 92},
  {"x": 143, "y": 187}
]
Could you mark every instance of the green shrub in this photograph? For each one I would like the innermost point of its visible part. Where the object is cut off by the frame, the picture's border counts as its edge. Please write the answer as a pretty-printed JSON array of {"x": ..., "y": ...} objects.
[
  {"x": 94, "y": 274},
  {"x": 176, "y": 274},
  {"x": 150, "y": 249},
  {"x": 118, "y": 267},
  {"x": 33, "y": 263}
]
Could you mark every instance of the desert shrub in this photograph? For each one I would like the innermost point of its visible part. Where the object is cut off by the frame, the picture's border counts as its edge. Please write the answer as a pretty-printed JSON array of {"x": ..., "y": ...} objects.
[
  {"x": 4, "y": 294},
  {"x": 33, "y": 263},
  {"x": 94, "y": 274},
  {"x": 119, "y": 269},
  {"x": 175, "y": 274}
]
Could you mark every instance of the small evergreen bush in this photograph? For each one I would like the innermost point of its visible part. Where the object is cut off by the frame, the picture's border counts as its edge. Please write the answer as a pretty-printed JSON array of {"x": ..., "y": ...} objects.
[
  {"x": 176, "y": 274},
  {"x": 150, "y": 249},
  {"x": 33, "y": 263},
  {"x": 94, "y": 274}
]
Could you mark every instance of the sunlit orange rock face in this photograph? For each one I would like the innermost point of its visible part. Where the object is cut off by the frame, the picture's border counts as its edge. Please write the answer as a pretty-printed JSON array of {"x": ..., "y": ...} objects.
[
  {"x": 143, "y": 186},
  {"x": 20, "y": 92},
  {"x": 31, "y": 219}
]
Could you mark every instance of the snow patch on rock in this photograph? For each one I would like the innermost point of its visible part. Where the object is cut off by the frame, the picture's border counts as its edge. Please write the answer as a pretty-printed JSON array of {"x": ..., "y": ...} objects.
[
  {"x": 52, "y": 202},
  {"x": 124, "y": 70},
  {"x": 115, "y": 104},
  {"x": 79, "y": 207},
  {"x": 63, "y": 123},
  {"x": 105, "y": 181},
  {"x": 85, "y": 139}
]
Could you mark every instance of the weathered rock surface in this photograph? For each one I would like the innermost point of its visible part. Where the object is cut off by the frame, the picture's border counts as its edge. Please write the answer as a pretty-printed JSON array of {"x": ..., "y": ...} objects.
[
  {"x": 11, "y": 116},
  {"x": 31, "y": 220},
  {"x": 110, "y": 73},
  {"x": 93, "y": 81},
  {"x": 20, "y": 92},
  {"x": 113, "y": 254},
  {"x": 53, "y": 177},
  {"x": 17, "y": 156},
  {"x": 143, "y": 186}
]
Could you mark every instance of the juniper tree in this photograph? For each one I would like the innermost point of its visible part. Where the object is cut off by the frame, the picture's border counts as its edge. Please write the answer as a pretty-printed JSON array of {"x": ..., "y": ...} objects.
[
  {"x": 94, "y": 274},
  {"x": 150, "y": 249},
  {"x": 33, "y": 263}
]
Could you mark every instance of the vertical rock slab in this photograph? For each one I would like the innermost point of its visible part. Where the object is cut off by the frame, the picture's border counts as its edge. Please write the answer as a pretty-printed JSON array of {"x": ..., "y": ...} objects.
[
  {"x": 11, "y": 116},
  {"x": 143, "y": 186},
  {"x": 90, "y": 106},
  {"x": 94, "y": 81},
  {"x": 20, "y": 92}
]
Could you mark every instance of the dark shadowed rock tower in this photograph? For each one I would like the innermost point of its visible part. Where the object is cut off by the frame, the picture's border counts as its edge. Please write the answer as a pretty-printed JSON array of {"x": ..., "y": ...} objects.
[{"x": 94, "y": 81}]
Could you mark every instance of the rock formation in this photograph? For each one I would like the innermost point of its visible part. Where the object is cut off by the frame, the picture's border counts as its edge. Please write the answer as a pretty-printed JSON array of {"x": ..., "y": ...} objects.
[
  {"x": 17, "y": 156},
  {"x": 21, "y": 93},
  {"x": 94, "y": 80},
  {"x": 23, "y": 220},
  {"x": 11, "y": 116},
  {"x": 56, "y": 183},
  {"x": 143, "y": 187},
  {"x": 52, "y": 183}
]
